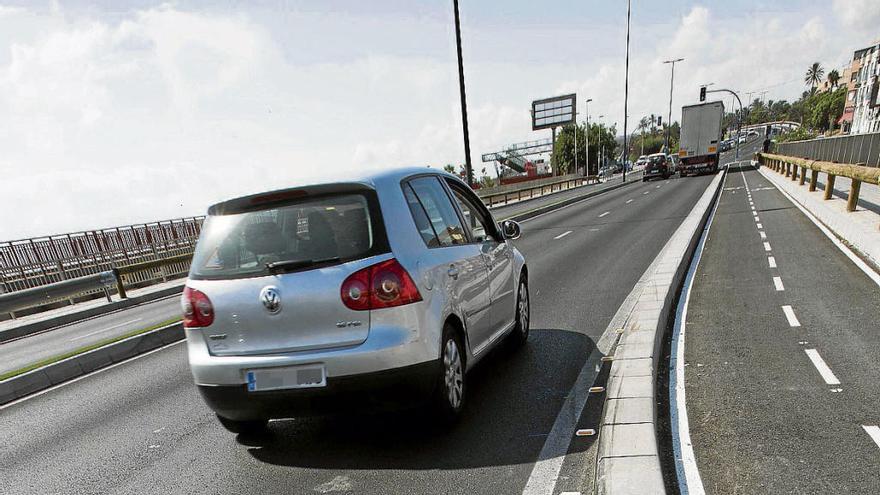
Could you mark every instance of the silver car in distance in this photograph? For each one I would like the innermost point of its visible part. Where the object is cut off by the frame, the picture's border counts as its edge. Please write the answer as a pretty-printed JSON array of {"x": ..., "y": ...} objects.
[{"x": 380, "y": 291}]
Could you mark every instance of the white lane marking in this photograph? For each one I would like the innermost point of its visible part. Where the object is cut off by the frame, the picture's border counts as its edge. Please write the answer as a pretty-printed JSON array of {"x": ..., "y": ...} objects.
[
  {"x": 560, "y": 236},
  {"x": 602, "y": 215},
  {"x": 105, "y": 329},
  {"x": 763, "y": 234},
  {"x": 753, "y": 208},
  {"x": 594, "y": 230},
  {"x": 760, "y": 226},
  {"x": 629, "y": 201},
  {"x": 772, "y": 261},
  {"x": 755, "y": 213},
  {"x": 120, "y": 363},
  {"x": 658, "y": 187},
  {"x": 545, "y": 471},
  {"x": 830, "y": 235},
  {"x": 790, "y": 316},
  {"x": 766, "y": 246},
  {"x": 646, "y": 192},
  {"x": 751, "y": 203},
  {"x": 777, "y": 281},
  {"x": 874, "y": 432},
  {"x": 823, "y": 368},
  {"x": 757, "y": 219}
]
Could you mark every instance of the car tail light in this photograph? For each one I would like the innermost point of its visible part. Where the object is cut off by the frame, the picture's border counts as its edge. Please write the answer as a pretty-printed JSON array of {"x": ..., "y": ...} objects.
[
  {"x": 197, "y": 309},
  {"x": 383, "y": 285}
]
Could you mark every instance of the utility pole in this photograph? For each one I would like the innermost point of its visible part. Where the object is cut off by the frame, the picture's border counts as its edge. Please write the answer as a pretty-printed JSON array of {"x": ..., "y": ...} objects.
[
  {"x": 626, "y": 86},
  {"x": 587, "y": 166},
  {"x": 671, "y": 82},
  {"x": 464, "y": 120}
]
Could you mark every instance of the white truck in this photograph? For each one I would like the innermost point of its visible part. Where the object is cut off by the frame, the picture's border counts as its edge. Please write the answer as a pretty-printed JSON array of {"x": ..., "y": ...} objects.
[{"x": 700, "y": 144}]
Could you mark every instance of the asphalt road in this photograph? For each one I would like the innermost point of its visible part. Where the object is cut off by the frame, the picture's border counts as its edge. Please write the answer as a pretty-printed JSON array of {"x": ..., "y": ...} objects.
[
  {"x": 765, "y": 414},
  {"x": 15, "y": 354},
  {"x": 141, "y": 426}
]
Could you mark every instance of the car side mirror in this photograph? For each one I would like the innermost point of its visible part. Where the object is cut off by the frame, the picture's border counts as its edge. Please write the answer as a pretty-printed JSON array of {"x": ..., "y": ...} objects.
[{"x": 510, "y": 229}]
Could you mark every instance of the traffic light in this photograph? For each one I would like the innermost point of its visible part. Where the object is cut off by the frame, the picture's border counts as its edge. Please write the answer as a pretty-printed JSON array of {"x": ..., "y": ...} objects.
[
  {"x": 659, "y": 121},
  {"x": 703, "y": 93}
]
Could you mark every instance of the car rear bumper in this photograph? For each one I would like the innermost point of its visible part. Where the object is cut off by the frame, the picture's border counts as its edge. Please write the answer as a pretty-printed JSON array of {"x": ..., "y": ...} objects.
[
  {"x": 655, "y": 173},
  {"x": 383, "y": 390}
]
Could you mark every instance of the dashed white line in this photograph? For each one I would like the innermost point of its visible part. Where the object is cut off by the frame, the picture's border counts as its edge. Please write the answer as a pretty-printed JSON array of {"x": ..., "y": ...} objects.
[
  {"x": 766, "y": 246},
  {"x": 560, "y": 236},
  {"x": 760, "y": 226},
  {"x": 823, "y": 368},
  {"x": 790, "y": 316},
  {"x": 772, "y": 261},
  {"x": 629, "y": 201},
  {"x": 602, "y": 215},
  {"x": 777, "y": 282},
  {"x": 646, "y": 192},
  {"x": 874, "y": 432},
  {"x": 757, "y": 219},
  {"x": 755, "y": 213},
  {"x": 658, "y": 187},
  {"x": 104, "y": 329},
  {"x": 763, "y": 234}
]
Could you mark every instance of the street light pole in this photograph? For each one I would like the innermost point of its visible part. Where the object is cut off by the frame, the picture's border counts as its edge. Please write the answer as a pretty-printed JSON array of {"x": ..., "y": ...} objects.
[
  {"x": 464, "y": 120},
  {"x": 587, "y": 133},
  {"x": 626, "y": 87},
  {"x": 671, "y": 82}
]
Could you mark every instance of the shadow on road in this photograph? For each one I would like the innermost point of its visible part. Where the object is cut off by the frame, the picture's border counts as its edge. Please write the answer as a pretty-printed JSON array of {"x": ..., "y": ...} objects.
[{"x": 514, "y": 397}]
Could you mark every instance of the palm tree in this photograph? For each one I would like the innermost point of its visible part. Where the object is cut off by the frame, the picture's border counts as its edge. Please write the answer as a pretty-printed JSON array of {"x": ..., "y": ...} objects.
[
  {"x": 814, "y": 75},
  {"x": 833, "y": 77}
]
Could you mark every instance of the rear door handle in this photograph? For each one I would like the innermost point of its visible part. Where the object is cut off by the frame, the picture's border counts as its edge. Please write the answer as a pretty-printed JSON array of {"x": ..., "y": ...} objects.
[{"x": 453, "y": 272}]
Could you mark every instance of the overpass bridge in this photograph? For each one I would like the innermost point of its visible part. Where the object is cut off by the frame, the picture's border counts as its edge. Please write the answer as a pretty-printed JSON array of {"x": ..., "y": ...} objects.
[{"x": 726, "y": 299}]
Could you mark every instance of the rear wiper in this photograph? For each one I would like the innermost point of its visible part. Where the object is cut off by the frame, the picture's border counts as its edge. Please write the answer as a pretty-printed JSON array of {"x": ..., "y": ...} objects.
[{"x": 283, "y": 266}]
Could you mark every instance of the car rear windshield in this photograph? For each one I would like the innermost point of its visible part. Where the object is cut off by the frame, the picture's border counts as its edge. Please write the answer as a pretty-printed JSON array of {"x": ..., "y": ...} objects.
[
  {"x": 657, "y": 159},
  {"x": 293, "y": 236}
]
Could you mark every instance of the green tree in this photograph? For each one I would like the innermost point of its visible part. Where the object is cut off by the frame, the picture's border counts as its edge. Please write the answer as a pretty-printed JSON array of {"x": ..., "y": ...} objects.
[
  {"x": 564, "y": 147},
  {"x": 814, "y": 75}
]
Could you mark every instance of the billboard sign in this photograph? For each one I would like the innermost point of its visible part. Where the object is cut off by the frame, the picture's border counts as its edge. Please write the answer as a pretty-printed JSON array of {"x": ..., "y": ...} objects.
[{"x": 553, "y": 112}]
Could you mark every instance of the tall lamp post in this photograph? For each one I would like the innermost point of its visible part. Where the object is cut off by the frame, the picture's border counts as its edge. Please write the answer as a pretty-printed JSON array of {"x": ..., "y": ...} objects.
[
  {"x": 626, "y": 86},
  {"x": 587, "y": 134},
  {"x": 671, "y": 82},
  {"x": 464, "y": 120}
]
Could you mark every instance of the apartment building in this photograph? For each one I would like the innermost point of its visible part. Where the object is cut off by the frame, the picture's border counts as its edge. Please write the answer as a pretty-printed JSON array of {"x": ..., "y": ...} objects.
[{"x": 862, "y": 104}]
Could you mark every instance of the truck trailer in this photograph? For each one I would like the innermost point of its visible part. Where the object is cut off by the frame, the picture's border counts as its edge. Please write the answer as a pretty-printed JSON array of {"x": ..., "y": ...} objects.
[{"x": 699, "y": 148}]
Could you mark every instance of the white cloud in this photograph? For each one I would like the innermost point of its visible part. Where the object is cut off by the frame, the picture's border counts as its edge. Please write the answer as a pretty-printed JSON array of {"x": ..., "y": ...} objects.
[
  {"x": 860, "y": 14},
  {"x": 157, "y": 113}
]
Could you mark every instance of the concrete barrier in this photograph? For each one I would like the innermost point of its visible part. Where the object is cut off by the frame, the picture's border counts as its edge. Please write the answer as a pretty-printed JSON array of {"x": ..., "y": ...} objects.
[
  {"x": 628, "y": 460},
  {"x": 42, "y": 378}
]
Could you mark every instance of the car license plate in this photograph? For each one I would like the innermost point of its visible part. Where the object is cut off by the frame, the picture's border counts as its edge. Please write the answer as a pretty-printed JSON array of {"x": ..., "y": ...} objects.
[{"x": 307, "y": 376}]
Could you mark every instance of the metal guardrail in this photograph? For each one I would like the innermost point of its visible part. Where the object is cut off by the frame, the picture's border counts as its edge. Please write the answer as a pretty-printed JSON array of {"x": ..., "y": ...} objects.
[
  {"x": 856, "y": 149},
  {"x": 50, "y": 293},
  {"x": 531, "y": 191},
  {"x": 121, "y": 278},
  {"x": 29, "y": 263},
  {"x": 796, "y": 168}
]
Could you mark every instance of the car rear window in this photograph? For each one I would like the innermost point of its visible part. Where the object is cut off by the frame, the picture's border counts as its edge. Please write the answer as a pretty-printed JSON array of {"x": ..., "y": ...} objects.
[{"x": 326, "y": 230}]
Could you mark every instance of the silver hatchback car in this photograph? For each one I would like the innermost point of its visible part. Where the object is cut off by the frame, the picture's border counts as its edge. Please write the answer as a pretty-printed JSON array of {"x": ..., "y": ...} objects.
[{"x": 381, "y": 291}]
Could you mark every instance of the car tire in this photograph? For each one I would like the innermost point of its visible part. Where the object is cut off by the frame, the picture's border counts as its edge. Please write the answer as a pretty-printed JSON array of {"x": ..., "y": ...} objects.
[
  {"x": 451, "y": 389},
  {"x": 520, "y": 333},
  {"x": 243, "y": 427},
  {"x": 644, "y": 179}
]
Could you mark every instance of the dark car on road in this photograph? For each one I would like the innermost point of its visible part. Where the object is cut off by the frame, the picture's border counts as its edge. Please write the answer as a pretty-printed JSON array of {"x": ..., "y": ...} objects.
[{"x": 657, "y": 166}]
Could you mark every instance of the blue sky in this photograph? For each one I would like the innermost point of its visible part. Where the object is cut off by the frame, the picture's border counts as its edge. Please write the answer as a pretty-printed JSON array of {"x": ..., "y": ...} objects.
[{"x": 116, "y": 112}]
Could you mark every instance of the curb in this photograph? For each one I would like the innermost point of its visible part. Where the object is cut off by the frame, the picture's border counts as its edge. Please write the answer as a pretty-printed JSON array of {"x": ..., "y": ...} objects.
[
  {"x": 559, "y": 204},
  {"x": 628, "y": 459},
  {"x": 65, "y": 319},
  {"x": 42, "y": 378}
]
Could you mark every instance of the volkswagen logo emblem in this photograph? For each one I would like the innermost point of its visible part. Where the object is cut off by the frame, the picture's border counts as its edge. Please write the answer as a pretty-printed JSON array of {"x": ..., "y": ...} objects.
[{"x": 271, "y": 299}]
